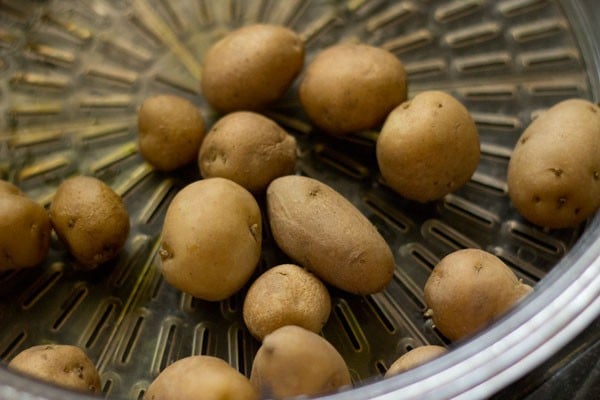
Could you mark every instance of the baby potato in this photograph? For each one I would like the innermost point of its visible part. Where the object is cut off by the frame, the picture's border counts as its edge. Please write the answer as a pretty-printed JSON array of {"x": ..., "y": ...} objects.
[
  {"x": 64, "y": 365},
  {"x": 554, "y": 171},
  {"x": 286, "y": 295},
  {"x": 90, "y": 219},
  {"x": 414, "y": 358},
  {"x": 24, "y": 229},
  {"x": 200, "y": 377},
  {"x": 352, "y": 87},
  {"x": 428, "y": 147},
  {"x": 249, "y": 149},
  {"x": 170, "y": 131},
  {"x": 293, "y": 361},
  {"x": 325, "y": 233},
  {"x": 211, "y": 239},
  {"x": 251, "y": 67},
  {"x": 468, "y": 289}
]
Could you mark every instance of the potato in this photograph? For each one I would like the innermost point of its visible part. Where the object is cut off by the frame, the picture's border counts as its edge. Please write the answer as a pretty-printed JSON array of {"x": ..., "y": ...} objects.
[
  {"x": 414, "y": 358},
  {"x": 170, "y": 131},
  {"x": 293, "y": 361},
  {"x": 468, "y": 289},
  {"x": 286, "y": 295},
  {"x": 428, "y": 147},
  {"x": 200, "y": 377},
  {"x": 554, "y": 171},
  {"x": 251, "y": 67},
  {"x": 211, "y": 239},
  {"x": 24, "y": 229},
  {"x": 249, "y": 149},
  {"x": 325, "y": 233},
  {"x": 352, "y": 87},
  {"x": 64, "y": 365},
  {"x": 91, "y": 219}
]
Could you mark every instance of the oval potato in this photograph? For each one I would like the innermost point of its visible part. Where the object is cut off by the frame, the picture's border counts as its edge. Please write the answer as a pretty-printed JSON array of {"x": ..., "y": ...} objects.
[{"x": 415, "y": 357}]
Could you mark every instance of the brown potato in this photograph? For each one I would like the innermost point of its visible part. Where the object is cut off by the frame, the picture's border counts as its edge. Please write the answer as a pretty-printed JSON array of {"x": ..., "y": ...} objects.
[
  {"x": 352, "y": 87},
  {"x": 91, "y": 219},
  {"x": 249, "y": 149},
  {"x": 325, "y": 233},
  {"x": 293, "y": 361},
  {"x": 200, "y": 377},
  {"x": 211, "y": 239},
  {"x": 64, "y": 365},
  {"x": 554, "y": 171},
  {"x": 9, "y": 188},
  {"x": 286, "y": 295},
  {"x": 251, "y": 67},
  {"x": 414, "y": 358},
  {"x": 468, "y": 289},
  {"x": 171, "y": 130}
]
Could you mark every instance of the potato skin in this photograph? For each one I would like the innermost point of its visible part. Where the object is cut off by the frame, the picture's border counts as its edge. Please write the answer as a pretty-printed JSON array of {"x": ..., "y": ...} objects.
[
  {"x": 211, "y": 239},
  {"x": 468, "y": 289},
  {"x": 325, "y": 233},
  {"x": 428, "y": 147},
  {"x": 249, "y": 149},
  {"x": 352, "y": 87},
  {"x": 293, "y": 361},
  {"x": 251, "y": 67},
  {"x": 414, "y": 358},
  {"x": 554, "y": 171},
  {"x": 63, "y": 365}
]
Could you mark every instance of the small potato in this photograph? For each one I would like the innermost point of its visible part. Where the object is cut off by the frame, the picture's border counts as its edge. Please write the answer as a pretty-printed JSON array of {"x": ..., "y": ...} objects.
[
  {"x": 91, "y": 219},
  {"x": 249, "y": 149},
  {"x": 211, "y": 239},
  {"x": 325, "y": 233},
  {"x": 352, "y": 87},
  {"x": 64, "y": 365},
  {"x": 428, "y": 147},
  {"x": 200, "y": 377},
  {"x": 286, "y": 295},
  {"x": 251, "y": 67},
  {"x": 293, "y": 361},
  {"x": 468, "y": 289},
  {"x": 171, "y": 130},
  {"x": 414, "y": 358},
  {"x": 554, "y": 171}
]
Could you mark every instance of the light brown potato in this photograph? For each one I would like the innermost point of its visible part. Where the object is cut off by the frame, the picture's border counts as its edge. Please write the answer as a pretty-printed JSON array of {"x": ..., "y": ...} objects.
[
  {"x": 24, "y": 229},
  {"x": 200, "y": 377},
  {"x": 286, "y": 295},
  {"x": 170, "y": 131},
  {"x": 554, "y": 171},
  {"x": 249, "y": 149},
  {"x": 352, "y": 87},
  {"x": 91, "y": 219},
  {"x": 428, "y": 147},
  {"x": 414, "y": 358},
  {"x": 251, "y": 67},
  {"x": 211, "y": 239},
  {"x": 325, "y": 233},
  {"x": 293, "y": 361},
  {"x": 64, "y": 365},
  {"x": 468, "y": 289}
]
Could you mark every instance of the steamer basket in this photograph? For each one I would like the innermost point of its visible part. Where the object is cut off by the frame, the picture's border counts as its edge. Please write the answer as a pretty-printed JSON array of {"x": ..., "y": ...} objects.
[{"x": 72, "y": 74}]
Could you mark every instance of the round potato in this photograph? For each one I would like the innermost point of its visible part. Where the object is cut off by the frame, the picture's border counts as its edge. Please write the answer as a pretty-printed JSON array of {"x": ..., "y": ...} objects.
[
  {"x": 414, "y": 358},
  {"x": 554, "y": 171},
  {"x": 468, "y": 289},
  {"x": 249, "y": 149},
  {"x": 170, "y": 131},
  {"x": 293, "y": 361},
  {"x": 211, "y": 239},
  {"x": 200, "y": 377},
  {"x": 286, "y": 295},
  {"x": 325, "y": 233},
  {"x": 352, "y": 87},
  {"x": 91, "y": 219},
  {"x": 64, "y": 365},
  {"x": 428, "y": 147},
  {"x": 251, "y": 67}
]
